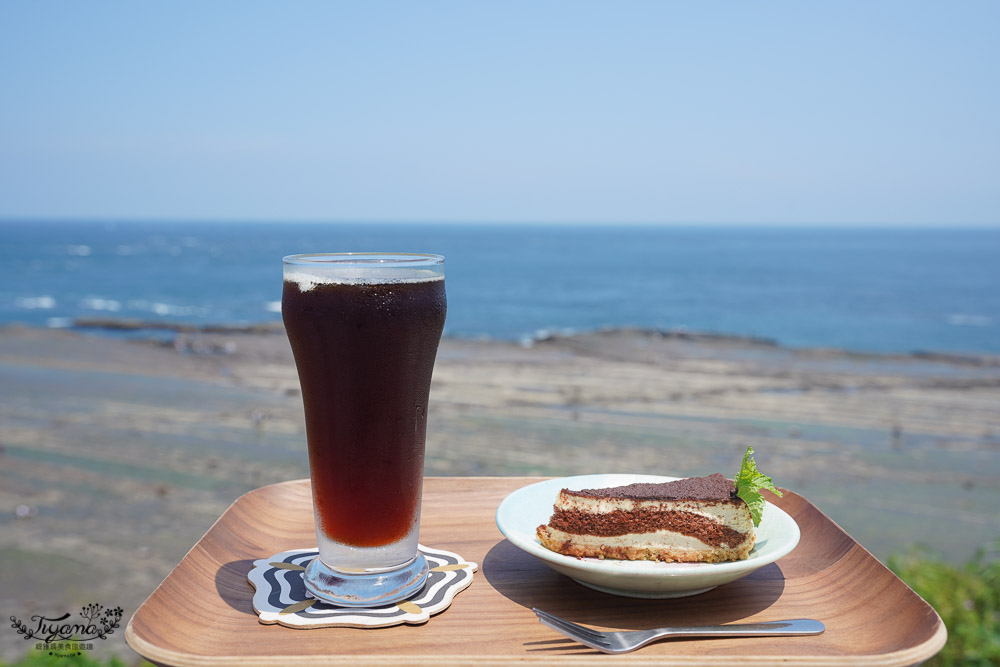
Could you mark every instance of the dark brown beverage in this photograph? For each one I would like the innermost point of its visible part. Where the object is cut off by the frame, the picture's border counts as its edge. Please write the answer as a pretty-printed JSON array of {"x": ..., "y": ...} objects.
[{"x": 365, "y": 353}]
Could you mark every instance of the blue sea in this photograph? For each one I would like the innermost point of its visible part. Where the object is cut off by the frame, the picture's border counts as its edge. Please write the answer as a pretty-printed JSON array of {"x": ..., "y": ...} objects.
[{"x": 867, "y": 290}]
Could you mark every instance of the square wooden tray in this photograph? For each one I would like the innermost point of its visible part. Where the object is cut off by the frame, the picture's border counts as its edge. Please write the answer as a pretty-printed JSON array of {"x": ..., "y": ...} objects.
[{"x": 202, "y": 615}]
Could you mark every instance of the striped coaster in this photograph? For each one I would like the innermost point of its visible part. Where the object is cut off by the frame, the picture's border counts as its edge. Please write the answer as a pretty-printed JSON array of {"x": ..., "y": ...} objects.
[{"x": 280, "y": 596}]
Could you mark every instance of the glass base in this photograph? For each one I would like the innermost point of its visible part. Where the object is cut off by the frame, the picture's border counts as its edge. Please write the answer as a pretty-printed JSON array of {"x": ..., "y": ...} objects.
[{"x": 365, "y": 588}]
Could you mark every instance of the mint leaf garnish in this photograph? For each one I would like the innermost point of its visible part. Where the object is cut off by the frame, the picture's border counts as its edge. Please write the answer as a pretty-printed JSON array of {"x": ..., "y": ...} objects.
[{"x": 749, "y": 482}]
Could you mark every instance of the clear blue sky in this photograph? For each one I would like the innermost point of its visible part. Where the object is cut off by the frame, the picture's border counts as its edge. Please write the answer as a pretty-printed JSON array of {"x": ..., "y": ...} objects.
[{"x": 699, "y": 112}]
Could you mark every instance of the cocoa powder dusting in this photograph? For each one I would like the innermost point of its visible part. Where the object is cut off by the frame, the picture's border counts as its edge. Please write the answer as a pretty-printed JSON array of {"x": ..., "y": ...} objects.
[{"x": 713, "y": 487}]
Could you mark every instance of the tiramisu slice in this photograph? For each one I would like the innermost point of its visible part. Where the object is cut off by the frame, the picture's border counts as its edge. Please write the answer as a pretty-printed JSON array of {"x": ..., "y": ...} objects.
[{"x": 687, "y": 520}]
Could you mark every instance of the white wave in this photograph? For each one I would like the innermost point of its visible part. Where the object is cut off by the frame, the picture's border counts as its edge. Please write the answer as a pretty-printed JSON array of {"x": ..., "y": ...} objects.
[
  {"x": 36, "y": 302},
  {"x": 97, "y": 303},
  {"x": 171, "y": 309},
  {"x": 965, "y": 320},
  {"x": 545, "y": 334},
  {"x": 273, "y": 306},
  {"x": 159, "y": 308}
]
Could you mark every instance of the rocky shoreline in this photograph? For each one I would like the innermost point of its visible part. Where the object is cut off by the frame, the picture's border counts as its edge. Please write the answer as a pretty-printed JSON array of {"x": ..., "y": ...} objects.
[{"x": 116, "y": 455}]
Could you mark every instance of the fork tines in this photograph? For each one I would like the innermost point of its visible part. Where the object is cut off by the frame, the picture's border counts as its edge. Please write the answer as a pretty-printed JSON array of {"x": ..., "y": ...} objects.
[{"x": 584, "y": 635}]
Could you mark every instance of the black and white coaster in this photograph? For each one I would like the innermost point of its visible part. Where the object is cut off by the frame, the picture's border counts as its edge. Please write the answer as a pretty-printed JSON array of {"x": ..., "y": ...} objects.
[{"x": 281, "y": 597}]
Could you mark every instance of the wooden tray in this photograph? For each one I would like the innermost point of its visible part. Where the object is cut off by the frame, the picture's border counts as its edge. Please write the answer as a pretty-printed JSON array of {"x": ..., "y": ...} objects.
[{"x": 201, "y": 614}]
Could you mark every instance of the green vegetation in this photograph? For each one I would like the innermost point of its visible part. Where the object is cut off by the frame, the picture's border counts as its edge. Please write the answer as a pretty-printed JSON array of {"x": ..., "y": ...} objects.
[{"x": 967, "y": 597}]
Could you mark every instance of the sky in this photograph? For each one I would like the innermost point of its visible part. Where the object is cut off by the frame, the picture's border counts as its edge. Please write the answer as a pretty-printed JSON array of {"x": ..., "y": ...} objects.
[{"x": 797, "y": 113}]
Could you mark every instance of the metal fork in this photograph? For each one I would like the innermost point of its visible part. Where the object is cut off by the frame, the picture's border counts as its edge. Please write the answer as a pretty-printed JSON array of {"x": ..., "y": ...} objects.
[{"x": 623, "y": 642}]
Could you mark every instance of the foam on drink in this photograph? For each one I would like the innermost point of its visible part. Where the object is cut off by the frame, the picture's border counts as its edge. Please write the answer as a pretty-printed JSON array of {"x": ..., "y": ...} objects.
[{"x": 307, "y": 280}]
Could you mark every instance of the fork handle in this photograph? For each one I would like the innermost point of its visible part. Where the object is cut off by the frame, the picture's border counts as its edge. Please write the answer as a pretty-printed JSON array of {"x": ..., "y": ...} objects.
[{"x": 796, "y": 626}]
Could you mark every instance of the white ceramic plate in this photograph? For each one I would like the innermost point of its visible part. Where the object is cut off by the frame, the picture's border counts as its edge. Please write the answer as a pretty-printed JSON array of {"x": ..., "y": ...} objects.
[{"x": 524, "y": 510}]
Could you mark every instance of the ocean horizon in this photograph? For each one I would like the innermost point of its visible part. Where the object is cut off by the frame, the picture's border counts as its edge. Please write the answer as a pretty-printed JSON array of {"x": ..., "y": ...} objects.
[{"x": 876, "y": 290}]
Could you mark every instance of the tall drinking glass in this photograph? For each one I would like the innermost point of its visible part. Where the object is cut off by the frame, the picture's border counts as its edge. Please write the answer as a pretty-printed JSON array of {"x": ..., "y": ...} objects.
[{"x": 364, "y": 329}]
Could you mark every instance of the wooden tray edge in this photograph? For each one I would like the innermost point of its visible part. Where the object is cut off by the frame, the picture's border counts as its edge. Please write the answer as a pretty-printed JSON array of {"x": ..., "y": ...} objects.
[{"x": 911, "y": 656}]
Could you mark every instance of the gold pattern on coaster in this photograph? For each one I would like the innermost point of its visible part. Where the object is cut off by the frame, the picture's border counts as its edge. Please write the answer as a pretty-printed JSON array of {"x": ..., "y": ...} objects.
[
  {"x": 297, "y": 607},
  {"x": 287, "y": 566},
  {"x": 450, "y": 568},
  {"x": 409, "y": 607}
]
